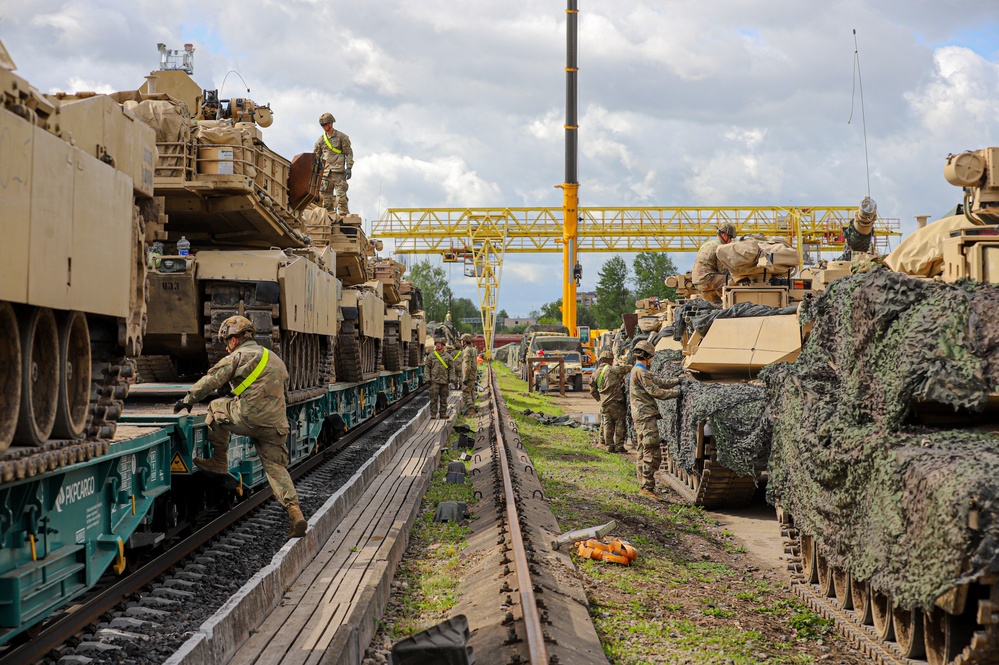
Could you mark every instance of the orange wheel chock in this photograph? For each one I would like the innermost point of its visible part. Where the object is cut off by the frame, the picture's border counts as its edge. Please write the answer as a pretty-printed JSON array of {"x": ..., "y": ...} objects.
[{"x": 614, "y": 551}]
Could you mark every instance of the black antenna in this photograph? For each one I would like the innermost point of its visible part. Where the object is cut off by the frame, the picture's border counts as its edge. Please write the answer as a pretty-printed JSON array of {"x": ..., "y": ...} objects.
[{"x": 858, "y": 80}]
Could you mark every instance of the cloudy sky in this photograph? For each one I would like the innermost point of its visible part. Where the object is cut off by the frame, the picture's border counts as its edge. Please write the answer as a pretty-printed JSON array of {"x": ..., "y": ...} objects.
[{"x": 455, "y": 103}]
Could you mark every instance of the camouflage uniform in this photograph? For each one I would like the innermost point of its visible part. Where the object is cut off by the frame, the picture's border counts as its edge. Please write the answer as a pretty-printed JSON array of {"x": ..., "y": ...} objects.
[
  {"x": 335, "y": 167},
  {"x": 706, "y": 276},
  {"x": 607, "y": 385},
  {"x": 454, "y": 373},
  {"x": 469, "y": 373},
  {"x": 260, "y": 412},
  {"x": 438, "y": 367},
  {"x": 646, "y": 388}
]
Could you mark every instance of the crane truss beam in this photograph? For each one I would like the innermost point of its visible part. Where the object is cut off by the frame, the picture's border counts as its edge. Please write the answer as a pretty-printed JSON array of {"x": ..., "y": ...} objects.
[{"x": 637, "y": 229}]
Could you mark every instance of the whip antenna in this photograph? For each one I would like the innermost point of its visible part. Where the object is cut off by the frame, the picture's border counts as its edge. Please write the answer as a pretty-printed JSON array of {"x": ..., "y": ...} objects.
[{"x": 858, "y": 81}]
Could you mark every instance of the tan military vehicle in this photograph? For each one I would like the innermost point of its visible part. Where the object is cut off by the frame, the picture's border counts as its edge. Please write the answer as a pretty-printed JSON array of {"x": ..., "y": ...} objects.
[
  {"x": 234, "y": 239},
  {"x": 359, "y": 354},
  {"x": 417, "y": 334},
  {"x": 884, "y": 449},
  {"x": 76, "y": 197},
  {"x": 715, "y": 456}
]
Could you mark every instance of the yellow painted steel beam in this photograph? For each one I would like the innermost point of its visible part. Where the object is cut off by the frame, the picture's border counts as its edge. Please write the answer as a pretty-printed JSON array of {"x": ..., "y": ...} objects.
[{"x": 637, "y": 229}]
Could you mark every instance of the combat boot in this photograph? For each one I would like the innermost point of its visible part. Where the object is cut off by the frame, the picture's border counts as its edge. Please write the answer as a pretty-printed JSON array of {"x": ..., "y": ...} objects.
[
  {"x": 217, "y": 463},
  {"x": 298, "y": 523}
]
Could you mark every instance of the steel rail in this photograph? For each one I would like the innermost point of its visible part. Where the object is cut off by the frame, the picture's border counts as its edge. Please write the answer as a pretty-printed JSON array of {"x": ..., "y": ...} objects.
[
  {"x": 92, "y": 609},
  {"x": 532, "y": 619}
]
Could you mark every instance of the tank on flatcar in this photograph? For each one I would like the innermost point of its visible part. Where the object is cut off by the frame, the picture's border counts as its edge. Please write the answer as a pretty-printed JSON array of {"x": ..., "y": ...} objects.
[
  {"x": 234, "y": 240},
  {"x": 885, "y": 455},
  {"x": 76, "y": 197}
]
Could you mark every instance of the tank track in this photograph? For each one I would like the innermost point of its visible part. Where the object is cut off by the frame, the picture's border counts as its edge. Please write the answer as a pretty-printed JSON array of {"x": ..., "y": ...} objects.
[
  {"x": 302, "y": 353},
  {"x": 108, "y": 389},
  {"x": 710, "y": 484},
  {"x": 391, "y": 348},
  {"x": 156, "y": 369},
  {"x": 820, "y": 587},
  {"x": 414, "y": 358},
  {"x": 357, "y": 358}
]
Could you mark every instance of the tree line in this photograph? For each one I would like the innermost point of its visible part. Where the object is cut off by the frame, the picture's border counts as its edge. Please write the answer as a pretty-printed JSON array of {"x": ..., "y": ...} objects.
[{"x": 618, "y": 287}]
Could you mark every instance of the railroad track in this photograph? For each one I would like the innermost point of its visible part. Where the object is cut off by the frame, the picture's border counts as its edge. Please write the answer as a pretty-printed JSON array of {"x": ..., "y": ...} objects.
[
  {"x": 62, "y": 635},
  {"x": 521, "y": 601}
]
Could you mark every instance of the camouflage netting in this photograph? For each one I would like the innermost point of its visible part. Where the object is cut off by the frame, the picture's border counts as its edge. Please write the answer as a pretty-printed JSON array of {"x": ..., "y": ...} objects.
[
  {"x": 885, "y": 498},
  {"x": 733, "y": 411}
]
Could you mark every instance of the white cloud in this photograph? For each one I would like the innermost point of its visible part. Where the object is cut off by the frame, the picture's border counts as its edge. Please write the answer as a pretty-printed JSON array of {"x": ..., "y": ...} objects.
[{"x": 454, "y": 103}]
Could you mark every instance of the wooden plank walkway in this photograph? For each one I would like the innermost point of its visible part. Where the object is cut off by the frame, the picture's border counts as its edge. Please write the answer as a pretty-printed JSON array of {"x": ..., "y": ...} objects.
[{"x": 328, "y": 615}]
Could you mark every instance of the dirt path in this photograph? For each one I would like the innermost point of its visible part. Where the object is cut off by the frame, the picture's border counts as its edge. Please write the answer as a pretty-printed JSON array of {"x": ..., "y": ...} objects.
[{"x": 755, "y": 527}]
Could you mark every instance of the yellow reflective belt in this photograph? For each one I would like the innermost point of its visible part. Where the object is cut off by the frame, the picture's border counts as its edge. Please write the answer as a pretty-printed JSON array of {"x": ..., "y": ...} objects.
[
  {"x": 248, "y": 381},
  {"x": 440, "y": 359},
  {"x": 330, "y": 145}
]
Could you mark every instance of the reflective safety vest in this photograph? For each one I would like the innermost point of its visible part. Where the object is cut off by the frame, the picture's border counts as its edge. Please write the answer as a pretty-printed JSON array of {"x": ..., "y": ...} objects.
[
  {"x": 440, "y": 359},
  {"x": 600, "y": 376},
  {"x": 330, "y": 145},
  {"x": 248, "y": 381}
]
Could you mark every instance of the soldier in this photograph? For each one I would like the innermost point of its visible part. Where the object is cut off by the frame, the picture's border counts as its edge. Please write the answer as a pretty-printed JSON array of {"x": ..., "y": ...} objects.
[
  {"x": 607, "y": 386},
  {"x": 257, "y": 409},
  {"x": 708, "y": 278},
  {"x": 438, "y": 369},
  {"x": 469, "y": 373},
  {"x": 646, "y": 388},
  {"x": 337, "y": 157}
]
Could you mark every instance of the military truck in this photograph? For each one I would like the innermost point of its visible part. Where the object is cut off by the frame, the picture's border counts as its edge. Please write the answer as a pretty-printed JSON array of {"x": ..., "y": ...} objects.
[
  {"x": 568, "y": 348},
  {"x": 77, "y": 194}
]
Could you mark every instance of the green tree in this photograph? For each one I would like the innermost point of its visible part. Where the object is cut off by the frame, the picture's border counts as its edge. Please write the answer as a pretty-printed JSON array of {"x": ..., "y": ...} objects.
[
  {"x": 613, "y": 296},
  {"x": 432, "y": 281},
  {"x": 500, "y": 320},
  {"x": 464, "y": 308},
  {"x": 585, "y": 316},
  {"x": 651, "y": 268},
  {"x": 551, "y": 313}
]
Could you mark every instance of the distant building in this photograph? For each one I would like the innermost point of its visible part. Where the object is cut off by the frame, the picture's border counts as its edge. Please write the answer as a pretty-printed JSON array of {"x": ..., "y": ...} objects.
[
  {"x": 510, "y": 323},
  {"x": 586, "y": 298}
]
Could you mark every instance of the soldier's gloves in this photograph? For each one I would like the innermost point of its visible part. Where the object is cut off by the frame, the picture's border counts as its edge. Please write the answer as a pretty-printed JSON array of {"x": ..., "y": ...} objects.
[
  {"x": 180, "y": 405},
  {"x": 347, "y": 173}
]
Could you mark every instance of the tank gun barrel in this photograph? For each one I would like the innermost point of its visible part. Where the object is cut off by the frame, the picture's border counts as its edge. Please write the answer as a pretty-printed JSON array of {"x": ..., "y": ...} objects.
[{"x": 860, "y": 232}]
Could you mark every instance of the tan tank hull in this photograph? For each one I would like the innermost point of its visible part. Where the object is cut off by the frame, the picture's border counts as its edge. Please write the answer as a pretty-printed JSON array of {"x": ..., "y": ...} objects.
[{"x": 72, "y": 298}]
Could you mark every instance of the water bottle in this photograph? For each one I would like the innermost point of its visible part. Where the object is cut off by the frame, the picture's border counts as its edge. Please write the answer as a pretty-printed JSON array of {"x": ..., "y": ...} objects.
[{"x": 183, "y": 246}]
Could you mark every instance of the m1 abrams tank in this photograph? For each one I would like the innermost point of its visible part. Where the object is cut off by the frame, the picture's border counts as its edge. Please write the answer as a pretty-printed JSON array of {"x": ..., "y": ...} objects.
[
  {"x": 236, "y": 236},
  {"x": 716, "y": 438},
  {"x": 359, "y": 347},
  {"x": 72, "y": 298},
  {"x": 885, "y": 455}
]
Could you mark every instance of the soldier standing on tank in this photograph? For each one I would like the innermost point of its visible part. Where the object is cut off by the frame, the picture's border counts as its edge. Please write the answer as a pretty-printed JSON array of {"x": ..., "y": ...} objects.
[
  {"x": 257, "y": 409},
  {"x": 469, "y": 373},
  {"x": 707, "y": 276},
  {"x": 438, "y": 366},
  {"x": 646, "y": 388},
  {"x": 333, "y": 148},
  {"x": 607, "y": 387}
]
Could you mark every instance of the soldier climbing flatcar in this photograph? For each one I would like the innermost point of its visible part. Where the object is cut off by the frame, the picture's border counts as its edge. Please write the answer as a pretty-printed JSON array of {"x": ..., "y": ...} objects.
[
  {"x": 646, "y": 388},
  {"x": 257, "y": 409}
]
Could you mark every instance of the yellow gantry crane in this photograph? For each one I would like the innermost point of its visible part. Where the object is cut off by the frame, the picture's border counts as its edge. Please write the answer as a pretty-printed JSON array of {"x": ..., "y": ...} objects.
[{"x": 480, "y": 237}]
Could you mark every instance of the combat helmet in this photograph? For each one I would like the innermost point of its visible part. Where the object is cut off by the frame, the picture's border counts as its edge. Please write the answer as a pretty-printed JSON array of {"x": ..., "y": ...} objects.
[
  {"x": 467, "y": 338},
  {"x": 236, "y": 326},
  {"x": 728, "y": 228},
  {"x": 606, "y": 356},
  {"x": 645, "y": 346},
  {"x": 326, "y": 118}
]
